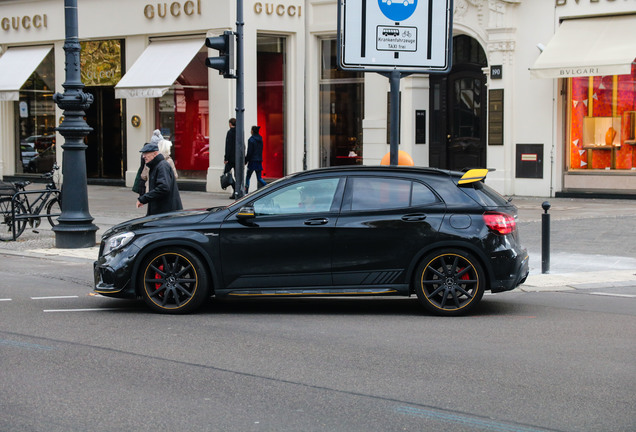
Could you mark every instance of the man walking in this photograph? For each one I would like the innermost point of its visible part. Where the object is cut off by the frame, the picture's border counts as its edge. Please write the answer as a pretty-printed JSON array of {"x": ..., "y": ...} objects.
[
  {"x": 163, "y": 193},
  {"x": 230, "y": 153}
]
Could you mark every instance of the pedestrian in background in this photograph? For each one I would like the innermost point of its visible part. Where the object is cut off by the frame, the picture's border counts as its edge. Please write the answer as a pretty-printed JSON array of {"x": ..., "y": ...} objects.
[
  {"x": 164, "y": 148},
  {"x": 163, "y": 192},
  {"x": 230, "y": 153},
  {"x": 141, "y": 179},
  {"x": 254, "y": 159}
]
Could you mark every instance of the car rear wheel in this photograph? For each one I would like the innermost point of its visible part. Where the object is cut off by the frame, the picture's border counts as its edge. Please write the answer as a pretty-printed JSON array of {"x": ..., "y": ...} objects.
[
  {"x": 449, "y": 282},
  {"x": 174, "y": 281}
]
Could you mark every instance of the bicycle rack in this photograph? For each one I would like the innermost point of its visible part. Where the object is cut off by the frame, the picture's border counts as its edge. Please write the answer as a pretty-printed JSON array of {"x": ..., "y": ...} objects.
[{"x": 28, "y": 216}]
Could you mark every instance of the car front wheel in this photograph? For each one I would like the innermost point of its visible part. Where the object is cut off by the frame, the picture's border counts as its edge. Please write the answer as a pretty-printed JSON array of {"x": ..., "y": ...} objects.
[
  {"x": 449, "y": 283},
  {"x": 174, "y": 281}
]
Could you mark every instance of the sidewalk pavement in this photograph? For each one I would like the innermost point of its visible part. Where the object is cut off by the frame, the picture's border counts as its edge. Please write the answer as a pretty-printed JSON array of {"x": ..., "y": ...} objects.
[{"x": 593, "y": 241}]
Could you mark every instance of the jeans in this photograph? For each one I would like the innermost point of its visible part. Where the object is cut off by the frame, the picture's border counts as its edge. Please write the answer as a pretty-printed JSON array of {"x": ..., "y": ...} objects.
[{"x": 259, "y": 179}]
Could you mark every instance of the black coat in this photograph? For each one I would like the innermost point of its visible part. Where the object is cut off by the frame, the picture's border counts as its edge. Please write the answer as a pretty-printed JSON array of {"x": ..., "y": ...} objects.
[
  {"x": 163, "y": 192},
  {"x": 254, "y": 149},
  {"x": 230, "y": 146}
]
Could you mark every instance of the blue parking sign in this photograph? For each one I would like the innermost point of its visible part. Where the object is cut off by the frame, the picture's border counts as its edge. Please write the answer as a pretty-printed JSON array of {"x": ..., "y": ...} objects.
[{"x": 397, "y": 10}]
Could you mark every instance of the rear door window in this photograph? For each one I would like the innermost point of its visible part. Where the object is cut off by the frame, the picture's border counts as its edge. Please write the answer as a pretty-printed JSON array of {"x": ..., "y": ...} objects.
[{"x": 377, "y": 193}]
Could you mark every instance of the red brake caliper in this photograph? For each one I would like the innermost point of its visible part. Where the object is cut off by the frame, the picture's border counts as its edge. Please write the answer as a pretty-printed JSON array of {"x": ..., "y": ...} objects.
[
  {"x": 158, "y": 276},
  {"x": 465, "y": 275}
]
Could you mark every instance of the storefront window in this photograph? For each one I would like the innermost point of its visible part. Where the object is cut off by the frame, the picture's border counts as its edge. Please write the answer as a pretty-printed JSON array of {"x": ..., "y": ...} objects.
[
  {"x": 182, "y": 116},
  {"x": 341, "y": 111},
  {"x": 35, "y": 111},
  {"x": 270, "y": 76},
  {"x": 602, "y": 122}
]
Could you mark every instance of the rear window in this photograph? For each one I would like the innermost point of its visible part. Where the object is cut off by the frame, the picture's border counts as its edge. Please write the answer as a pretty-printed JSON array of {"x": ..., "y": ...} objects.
[{"x": 484, "y": 194}]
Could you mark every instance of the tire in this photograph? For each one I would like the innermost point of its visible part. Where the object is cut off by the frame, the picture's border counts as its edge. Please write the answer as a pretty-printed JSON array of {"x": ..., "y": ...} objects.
[
  {"x": 53, "y": 207},
  {"x": 6, "y": 219},
  {"x": 449, "y": 283},
  {"x": 173, "y": 280}
]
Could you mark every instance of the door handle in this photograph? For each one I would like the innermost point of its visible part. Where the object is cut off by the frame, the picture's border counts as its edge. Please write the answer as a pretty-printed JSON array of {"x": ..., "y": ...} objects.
[
  {"x": 316, "y": 221},
  {"x": 415, "y": 217}
]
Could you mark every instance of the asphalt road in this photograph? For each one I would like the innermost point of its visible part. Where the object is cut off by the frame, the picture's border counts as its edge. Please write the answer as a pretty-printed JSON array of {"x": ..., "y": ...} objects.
[{"x": 525, "y": 361}]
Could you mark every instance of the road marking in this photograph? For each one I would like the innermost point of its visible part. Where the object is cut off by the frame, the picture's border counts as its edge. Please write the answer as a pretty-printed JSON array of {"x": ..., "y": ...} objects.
[
  {"x": 24, "y": 345},
  {"x": 465, "y": 419},
  {"x": 7, "y": 299},
  {"x": 79, "y": 310},
  {"x": 54, "y": 297},
  {"x": 614, "y": 295}
]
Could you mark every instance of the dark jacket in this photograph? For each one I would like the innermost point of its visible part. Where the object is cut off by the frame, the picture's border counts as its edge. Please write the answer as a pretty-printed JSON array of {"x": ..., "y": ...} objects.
[
  {"x": 230, "y": 146},
  {"x": 163, "y": 192},
  {"x": 254, "y": 149}
]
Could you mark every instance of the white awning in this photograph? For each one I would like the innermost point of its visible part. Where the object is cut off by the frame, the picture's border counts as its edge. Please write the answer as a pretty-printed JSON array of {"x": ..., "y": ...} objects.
[
  {"x": 16, "y": 66},
  {"x": 589, "y": 47},
  {"x": 157, "y": 68}
]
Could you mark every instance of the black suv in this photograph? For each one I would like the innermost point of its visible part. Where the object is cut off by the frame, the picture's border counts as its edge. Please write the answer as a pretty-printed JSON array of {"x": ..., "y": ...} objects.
[{"x": 442, "y": 235}]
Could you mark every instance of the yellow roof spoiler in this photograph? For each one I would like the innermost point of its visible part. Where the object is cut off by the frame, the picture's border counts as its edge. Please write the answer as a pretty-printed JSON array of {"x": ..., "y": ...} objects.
[{"x": 473, "y": 175}]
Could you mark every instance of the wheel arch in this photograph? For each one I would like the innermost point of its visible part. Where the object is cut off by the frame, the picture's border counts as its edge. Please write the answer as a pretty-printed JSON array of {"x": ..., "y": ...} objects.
[
  {"x": 174, "y": 242},
  {"x": 461, "y": 245}
]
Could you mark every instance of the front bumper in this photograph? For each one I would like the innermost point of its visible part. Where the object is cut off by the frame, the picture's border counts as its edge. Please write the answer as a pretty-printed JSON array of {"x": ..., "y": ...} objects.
[{"x": 112, "y": 273}]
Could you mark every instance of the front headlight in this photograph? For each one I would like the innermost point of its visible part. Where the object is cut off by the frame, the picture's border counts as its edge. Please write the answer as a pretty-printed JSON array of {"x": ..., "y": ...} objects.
[{"x": 117, "y": 242}]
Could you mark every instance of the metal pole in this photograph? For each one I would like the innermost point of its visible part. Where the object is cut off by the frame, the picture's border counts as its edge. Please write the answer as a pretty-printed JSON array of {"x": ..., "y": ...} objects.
[
  {"x": 75, "y": 228},
  {"x": 545, "y": 238},
  {"x": 239, "y": 167},
  {"x": 395, "y": 115}
]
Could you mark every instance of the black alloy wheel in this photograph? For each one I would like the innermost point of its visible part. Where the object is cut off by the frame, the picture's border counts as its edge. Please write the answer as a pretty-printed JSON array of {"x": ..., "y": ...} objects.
[
  {"x": 174, "y": 281},
  {"x": 449, "y": 283},
  {"x": 53, "y": 208},
  {"x": 6, "y": 219}
]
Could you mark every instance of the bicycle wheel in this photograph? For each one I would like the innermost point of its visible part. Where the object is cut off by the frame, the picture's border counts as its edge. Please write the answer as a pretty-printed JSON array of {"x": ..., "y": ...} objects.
[
  {"x": 53, "y": 211},
  {"x": 6, "y": 219}
]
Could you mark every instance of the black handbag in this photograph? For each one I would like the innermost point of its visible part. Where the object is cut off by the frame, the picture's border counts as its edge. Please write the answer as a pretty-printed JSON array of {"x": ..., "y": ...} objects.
[{"x": 226, "y": 180}]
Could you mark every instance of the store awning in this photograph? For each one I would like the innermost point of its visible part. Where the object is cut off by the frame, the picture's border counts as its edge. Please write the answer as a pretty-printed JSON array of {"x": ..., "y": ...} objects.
[
  {"x": 157, "y": 68},
  {"x": 16, "y": 66},
  {"x": 589, "y": 47}
]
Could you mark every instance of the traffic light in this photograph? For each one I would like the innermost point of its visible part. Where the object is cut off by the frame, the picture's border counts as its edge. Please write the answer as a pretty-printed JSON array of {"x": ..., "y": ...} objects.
[{"x": 225, "y": 44}]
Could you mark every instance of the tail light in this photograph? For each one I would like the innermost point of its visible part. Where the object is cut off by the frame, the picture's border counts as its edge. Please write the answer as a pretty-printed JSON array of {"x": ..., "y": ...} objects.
[{"x": 501, "y": 223}]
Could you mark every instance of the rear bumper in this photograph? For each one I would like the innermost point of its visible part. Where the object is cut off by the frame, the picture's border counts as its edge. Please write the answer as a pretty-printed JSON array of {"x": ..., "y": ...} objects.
[{"x": 518, "y": 275}]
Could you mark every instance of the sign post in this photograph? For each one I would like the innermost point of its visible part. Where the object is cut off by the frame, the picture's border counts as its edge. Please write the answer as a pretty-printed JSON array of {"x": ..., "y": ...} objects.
[{"x": 395, "y": 38}]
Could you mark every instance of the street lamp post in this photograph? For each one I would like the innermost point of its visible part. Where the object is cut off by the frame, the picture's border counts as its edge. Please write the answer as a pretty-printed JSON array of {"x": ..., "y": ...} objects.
[{"x": 75, "y": 228}]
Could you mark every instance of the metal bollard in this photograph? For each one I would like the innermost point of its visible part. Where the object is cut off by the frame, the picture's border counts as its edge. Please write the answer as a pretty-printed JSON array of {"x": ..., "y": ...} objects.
[{"x": 545, "y": 238}]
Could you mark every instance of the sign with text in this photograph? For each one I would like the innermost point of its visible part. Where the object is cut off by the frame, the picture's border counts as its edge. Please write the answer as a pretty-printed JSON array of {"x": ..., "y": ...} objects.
[{"x": 413, "y": 36}]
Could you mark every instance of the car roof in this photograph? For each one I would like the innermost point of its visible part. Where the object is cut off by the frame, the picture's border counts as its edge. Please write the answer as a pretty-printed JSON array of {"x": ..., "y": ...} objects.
[{"x": 380, "y": 169}]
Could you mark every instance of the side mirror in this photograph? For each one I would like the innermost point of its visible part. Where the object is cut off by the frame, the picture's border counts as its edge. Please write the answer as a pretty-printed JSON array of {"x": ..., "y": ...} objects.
[{"x": 245, "y": 213}]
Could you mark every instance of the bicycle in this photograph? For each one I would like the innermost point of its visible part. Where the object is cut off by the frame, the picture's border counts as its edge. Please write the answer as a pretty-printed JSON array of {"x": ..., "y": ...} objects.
[{"x": 16, "y": 210}]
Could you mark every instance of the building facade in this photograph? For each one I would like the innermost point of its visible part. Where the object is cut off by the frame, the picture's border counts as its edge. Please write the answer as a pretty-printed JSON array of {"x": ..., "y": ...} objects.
[{"x": 527, "y": 94}]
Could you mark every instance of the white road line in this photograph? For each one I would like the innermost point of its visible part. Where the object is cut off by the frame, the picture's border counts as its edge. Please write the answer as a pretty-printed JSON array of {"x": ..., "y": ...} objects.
[
  {"x": 79, "y": 310},
  {"x": 54, "y": 297},
  {"x": 6, "y": 299},
  {"x": 614, "y": 295}
]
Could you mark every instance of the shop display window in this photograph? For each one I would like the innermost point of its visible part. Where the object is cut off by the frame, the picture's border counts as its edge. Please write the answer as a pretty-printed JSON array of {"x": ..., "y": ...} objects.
[
  {"x": 341, "y": 111},
  {"x": 602, "y": 122},
  {"x": 182, "y": 115},
  {"x": 35, "y": 114},
  {"x": 271, "y": 90}
]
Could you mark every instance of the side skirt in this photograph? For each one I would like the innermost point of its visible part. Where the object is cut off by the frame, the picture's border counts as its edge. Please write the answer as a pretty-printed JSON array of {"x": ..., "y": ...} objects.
[{"x": 316, "y": 292}]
